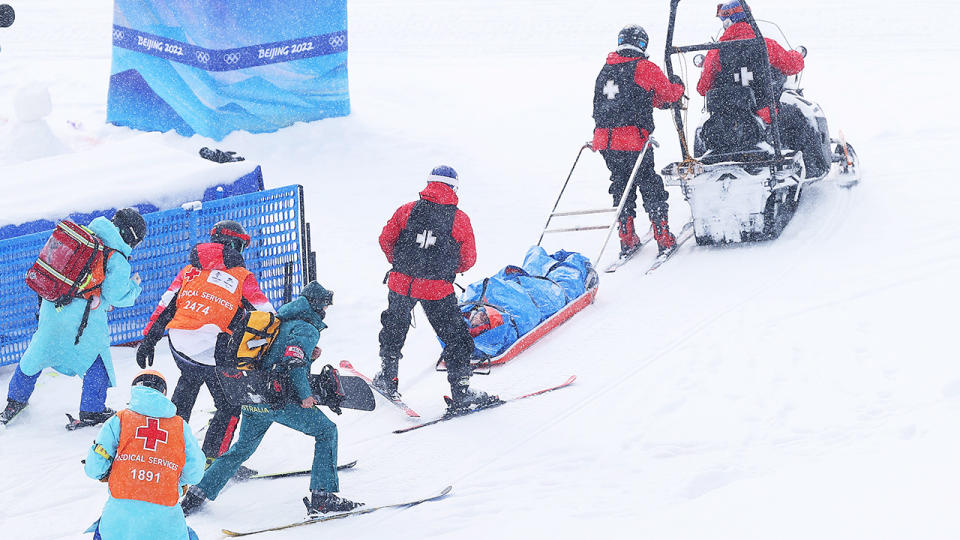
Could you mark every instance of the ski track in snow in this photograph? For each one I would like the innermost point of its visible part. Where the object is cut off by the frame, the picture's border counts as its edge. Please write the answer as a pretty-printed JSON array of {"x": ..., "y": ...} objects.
[{"x": 802, "y": 388}]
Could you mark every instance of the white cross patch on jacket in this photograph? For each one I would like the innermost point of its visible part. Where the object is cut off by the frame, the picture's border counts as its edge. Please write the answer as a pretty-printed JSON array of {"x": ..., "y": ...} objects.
[
  {"x": 745, "y": 77},
  {"x": 426, "y": 239},
  {"x": 611, "y": 89}
]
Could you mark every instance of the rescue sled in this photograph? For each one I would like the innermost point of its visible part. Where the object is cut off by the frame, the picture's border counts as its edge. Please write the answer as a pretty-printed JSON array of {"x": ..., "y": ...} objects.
[
  {"x": 741, "y": 182},
  {"x": 539, "y": 332}
]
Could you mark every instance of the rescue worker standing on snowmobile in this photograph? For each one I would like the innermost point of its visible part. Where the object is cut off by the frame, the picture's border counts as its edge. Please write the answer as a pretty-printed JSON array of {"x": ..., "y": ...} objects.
[
  {"x": 198, "y": 308},
  {"x": 628, "y": 88},
  {"x": 428, "y": 242},
  {"x": 737, "y": 68}
]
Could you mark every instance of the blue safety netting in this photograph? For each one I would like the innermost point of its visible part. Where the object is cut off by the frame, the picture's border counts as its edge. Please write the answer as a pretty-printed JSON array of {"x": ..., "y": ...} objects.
[{"x": 279, "y": 248}]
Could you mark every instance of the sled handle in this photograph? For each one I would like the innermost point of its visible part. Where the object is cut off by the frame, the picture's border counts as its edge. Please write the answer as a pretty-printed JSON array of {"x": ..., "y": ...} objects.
[{"x": 564, "y": 188}]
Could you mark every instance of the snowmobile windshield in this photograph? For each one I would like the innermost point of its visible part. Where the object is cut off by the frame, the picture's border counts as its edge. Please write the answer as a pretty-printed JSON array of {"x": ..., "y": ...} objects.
[{"x": 773, "y": 31}]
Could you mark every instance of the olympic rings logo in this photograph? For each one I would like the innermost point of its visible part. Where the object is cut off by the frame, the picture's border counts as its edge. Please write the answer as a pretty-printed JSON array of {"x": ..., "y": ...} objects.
[
  {"x": 337, "y": 41},
  {"x": 203, "y": 56},
  {"x": 117, "y": 35},
  {"x": 231, "y": 58}
]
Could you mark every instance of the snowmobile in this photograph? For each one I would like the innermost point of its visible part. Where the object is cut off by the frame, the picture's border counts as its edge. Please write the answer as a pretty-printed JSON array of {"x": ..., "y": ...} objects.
[{"x": 742, "y": 183}]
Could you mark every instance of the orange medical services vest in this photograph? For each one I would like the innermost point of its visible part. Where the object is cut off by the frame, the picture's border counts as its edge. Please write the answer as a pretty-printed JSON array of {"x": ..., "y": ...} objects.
[
  {"x": 150, "y": 457},
  {"x": 209, "y": 297}
]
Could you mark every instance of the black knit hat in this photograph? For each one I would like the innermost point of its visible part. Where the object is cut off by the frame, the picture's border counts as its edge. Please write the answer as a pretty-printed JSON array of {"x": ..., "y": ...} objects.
[{"x": 317, "y": 295}]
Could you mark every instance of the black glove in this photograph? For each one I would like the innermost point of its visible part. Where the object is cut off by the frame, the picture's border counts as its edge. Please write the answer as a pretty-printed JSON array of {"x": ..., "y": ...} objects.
[
  {"x": 802, "y": 50},
  {"x": 145, "y": 353},
  {"x": 329, "y": 389},
  {"x": 675, "y": 79},
  {"x": 219, "y": 156}
]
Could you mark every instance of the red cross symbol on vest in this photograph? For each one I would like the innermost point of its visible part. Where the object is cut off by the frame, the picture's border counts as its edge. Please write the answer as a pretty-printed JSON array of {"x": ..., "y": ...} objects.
[
  {"x": 191, "y": 274},
  {"x": 151, "y": 434}
]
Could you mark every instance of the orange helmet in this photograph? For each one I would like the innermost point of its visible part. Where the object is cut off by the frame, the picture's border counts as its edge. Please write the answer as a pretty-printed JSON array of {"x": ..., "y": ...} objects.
[{"x": 151, "y": 379}]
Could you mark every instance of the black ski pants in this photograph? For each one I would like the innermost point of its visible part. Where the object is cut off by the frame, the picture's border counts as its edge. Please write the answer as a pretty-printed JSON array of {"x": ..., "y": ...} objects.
[
  {"x": 798, "y": 134},
  {"x": 446, "y": 320},
  {"x": 648, "y": 183},
  {"x": 225, "y": 419}
]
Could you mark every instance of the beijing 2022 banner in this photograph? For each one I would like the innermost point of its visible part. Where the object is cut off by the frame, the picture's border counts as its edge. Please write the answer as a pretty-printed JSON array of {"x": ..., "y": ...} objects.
[{"x": 212, "y": 66}]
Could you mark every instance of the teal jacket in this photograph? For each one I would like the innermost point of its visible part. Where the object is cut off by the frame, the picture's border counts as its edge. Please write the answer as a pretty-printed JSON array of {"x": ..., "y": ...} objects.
[
  {"x": 299, "y": 333},
  {"x": 53, "y": 343},
  {"x": 125, "y": 519}
]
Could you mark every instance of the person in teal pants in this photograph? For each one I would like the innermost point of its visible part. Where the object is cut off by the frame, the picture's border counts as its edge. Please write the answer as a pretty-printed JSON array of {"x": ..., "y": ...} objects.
[{"x": 293, "y": 351}]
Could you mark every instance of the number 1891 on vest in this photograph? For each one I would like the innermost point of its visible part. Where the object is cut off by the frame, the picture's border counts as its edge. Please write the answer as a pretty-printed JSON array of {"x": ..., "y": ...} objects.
[{"x": 144, "y": 476}]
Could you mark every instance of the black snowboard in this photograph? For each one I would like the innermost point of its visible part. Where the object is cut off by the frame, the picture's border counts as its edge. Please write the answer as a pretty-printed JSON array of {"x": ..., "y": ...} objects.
[
  {"x": 266, "y": 389},
  {"x": 358, "y": 394}
]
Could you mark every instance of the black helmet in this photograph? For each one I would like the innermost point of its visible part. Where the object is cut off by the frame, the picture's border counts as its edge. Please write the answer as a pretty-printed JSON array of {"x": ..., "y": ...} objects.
[
  {"x": 633, "y": 38},
  {"x": 151, "y": 379},
  {"x": 230, "y": 233},
  {"x": 131, "y": 225}
]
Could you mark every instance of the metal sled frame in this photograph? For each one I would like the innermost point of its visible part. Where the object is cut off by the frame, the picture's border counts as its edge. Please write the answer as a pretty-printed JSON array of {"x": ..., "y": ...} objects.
[{"x": 616, "y": 211}]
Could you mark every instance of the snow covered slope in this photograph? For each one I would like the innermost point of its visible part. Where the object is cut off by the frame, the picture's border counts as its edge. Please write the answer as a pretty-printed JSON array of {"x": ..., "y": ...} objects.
[{"x": 805, "y": 388}]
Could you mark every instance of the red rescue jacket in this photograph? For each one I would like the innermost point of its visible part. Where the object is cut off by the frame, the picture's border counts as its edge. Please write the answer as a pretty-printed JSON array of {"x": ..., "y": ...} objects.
[
  {"x": 663, "y": 92},
  {"x": 788, "y": 62},
  {"x": 428, "y": 289}
]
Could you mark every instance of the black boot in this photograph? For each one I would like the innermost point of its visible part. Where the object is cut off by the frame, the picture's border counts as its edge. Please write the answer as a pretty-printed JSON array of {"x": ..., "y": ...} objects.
[
  {"x": 462, "y": 398},
  {"x": 385, "y": 381},
  {"x": 12, "y": 409},
  {"x": 193, "y": 500},
  {"x": 94, "y": 418},
  {"x": 322, "y": 502}
]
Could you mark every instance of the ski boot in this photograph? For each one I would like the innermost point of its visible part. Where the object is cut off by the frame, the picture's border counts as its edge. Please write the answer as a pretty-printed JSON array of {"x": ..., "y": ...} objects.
[
  {"x": 386, "y": 381},
  {"x": 463, "y": 398},
  {"x": 12, "y": 409},
  {"x": 88, "y": 418},
  {"x": 323, "y": 502},
  {"x": 193, "y": 500},
  {"x": 94, "y": 418},
  {"x": 629, "y": 241},
  {"x": 661, "y": 232}
]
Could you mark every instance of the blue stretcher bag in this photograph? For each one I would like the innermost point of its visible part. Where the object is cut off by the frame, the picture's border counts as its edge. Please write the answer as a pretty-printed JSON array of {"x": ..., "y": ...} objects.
[{"x": 502, "y": 308}]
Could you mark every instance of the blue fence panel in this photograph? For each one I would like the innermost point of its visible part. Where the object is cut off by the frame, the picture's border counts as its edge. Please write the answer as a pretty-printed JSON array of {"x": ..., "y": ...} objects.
[{"x": 274, "y": 219}]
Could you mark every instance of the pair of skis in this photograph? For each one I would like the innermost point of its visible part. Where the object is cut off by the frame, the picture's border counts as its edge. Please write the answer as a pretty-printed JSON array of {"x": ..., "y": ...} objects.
[
  {"x": 302, "y": 472},
  {"x": 366, "y": 510},
  {"x": 341, "y": 515},
  {"x": 451, "y": 413},
  {"x": 345, "y": 365},
  {"x": 685, "y": 234}
]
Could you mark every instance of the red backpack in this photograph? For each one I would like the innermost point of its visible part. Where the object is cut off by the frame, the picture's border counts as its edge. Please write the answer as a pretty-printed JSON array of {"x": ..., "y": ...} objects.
[{"x": 71, "y": 265}]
